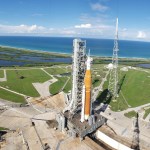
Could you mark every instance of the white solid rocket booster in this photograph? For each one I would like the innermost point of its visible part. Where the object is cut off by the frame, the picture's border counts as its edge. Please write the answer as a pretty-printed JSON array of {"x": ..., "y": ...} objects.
[{"x": 83, "y": 104}]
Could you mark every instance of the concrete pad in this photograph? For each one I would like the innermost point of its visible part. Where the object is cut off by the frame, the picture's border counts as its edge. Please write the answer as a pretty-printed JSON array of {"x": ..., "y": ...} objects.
[
  {"x": 75, "y": 144},
  {"x": 13, "y": 119},
  {"x": 4, "y": 78},
  {"x": 14, "y": 141},
  {"x": 55, "y": 103},
  {"x": 45, "y": 116},
  {"x": 43, "y": 88},
  {"x": 32, "y": 138},
  {"x": 48, "y": 135}
]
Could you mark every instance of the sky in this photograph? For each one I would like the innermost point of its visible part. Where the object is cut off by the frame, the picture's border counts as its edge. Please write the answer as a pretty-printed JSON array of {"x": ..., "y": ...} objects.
[{"x": 76, "y": 18}]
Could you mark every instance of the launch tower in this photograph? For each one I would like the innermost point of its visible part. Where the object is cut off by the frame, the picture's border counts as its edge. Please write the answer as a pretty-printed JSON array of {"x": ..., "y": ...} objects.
[
  {"x": 113, "y": 80},
  {"x": 78, "y": 73},
  {"x": 78, "y": 117}
]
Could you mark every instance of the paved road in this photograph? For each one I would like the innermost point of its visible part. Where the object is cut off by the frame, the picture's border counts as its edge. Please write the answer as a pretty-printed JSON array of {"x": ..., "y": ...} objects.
[
  {"x": 13, "y": 91},
  {"x": 134, "y": 108},
  {"x": 43, "y": 88}
]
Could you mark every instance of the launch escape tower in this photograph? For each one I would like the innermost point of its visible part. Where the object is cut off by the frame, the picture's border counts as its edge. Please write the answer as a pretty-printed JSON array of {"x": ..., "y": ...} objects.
[
  {"x": 113, "y": 80},
  {"x": 78, "y": 73}
]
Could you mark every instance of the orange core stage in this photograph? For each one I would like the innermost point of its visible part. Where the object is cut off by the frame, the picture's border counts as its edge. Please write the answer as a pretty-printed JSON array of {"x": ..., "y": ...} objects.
[{"x": 87, "y": 82}]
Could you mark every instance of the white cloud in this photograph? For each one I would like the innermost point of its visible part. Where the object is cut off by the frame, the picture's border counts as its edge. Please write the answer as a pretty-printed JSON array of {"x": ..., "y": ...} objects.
[
  {"x": 96, "y": 30},
  {"x": 99, "y": 7},
  {"x": 134, "y": 34},
  {"x": 141, "y": 35},
  {"x": 88, "y": 25},
  {"x": 100, "y": 30},
  {"x": 67, "y": 32},
  {"x": 21, "y": 29}
]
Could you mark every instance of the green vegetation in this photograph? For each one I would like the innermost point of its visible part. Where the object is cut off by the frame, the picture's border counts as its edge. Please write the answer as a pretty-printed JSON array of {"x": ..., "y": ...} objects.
[
  {"x": 98, "y": 72},
  {"x": 68, "y": 86},
  {"x": 147, "y": 112},
  {"x": 95, "y": 82},
  {"x": 56, "y": 70},
  {"x": 2, "y": 128},
  {"x": 11, "y": 96},
  {"x": 134, "y": 84},
  {"x": 119, "y": 104},
  {"x": 21, "y": 81},
  {"x": 29, "y": 58},
  {"x": 58, "y": 85},
  {"x": 1, "y": 73},
  {"x": 35, "y": 58},
  {"x": 131, "y": 114},
  {"x": 122, "y": 61},
  {"x": 134, "y": 90},
  {"x": 9, "y": 52}
]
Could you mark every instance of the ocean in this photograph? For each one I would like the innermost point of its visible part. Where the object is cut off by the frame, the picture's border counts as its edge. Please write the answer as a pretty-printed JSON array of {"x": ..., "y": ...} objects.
[{"x": 98, "y": 47}]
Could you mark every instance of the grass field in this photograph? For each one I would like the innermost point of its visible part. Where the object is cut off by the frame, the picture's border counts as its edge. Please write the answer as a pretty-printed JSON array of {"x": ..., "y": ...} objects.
[
  {"x": 1, "y": 73},
  {"x": 11, "y": 96},
  {"x": 68, "y": 86},
  {"x": 98, "y": 72},
  {"x": 96, "y": 82},
  {"x": 24, "y": 85},
  {"x": 57, "y": 86},
  {"x": 136, "y": 87},
  {"x": 134, "y": 90},
  {"x": 131, "y": 114},
  {"x": 2, "y": 128},
  {"x": 57, "y": 70}
]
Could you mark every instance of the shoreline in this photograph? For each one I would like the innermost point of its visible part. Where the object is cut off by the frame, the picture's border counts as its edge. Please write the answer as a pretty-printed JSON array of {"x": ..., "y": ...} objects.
[
  {"x": 70, "y": 55},
  {"x": 36, "y": 51}
]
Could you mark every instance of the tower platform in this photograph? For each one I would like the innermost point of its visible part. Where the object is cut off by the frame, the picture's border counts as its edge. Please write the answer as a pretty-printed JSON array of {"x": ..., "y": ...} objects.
[{"x": 77, "y": 128}]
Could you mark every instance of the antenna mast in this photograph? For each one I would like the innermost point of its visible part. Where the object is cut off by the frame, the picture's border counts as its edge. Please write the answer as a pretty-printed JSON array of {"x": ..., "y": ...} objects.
[{"x": 113, "y": 80}]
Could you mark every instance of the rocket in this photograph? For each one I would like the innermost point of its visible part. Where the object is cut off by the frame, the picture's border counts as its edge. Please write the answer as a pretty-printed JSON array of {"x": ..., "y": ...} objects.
[{"x": 86, "y": 92}]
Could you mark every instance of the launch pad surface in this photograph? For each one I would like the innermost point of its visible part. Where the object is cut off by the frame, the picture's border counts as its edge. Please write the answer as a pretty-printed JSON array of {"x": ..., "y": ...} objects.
[{"x": 81, "y": 129}]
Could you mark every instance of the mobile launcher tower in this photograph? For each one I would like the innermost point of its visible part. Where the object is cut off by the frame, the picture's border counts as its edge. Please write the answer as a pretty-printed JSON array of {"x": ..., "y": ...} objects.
[{"x": 79, "y": 119}]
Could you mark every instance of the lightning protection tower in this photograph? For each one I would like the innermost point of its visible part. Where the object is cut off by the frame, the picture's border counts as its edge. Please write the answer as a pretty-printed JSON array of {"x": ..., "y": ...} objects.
[
  {"x": 78, "y": 73},
  {"x": 113, "y": 80}
]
